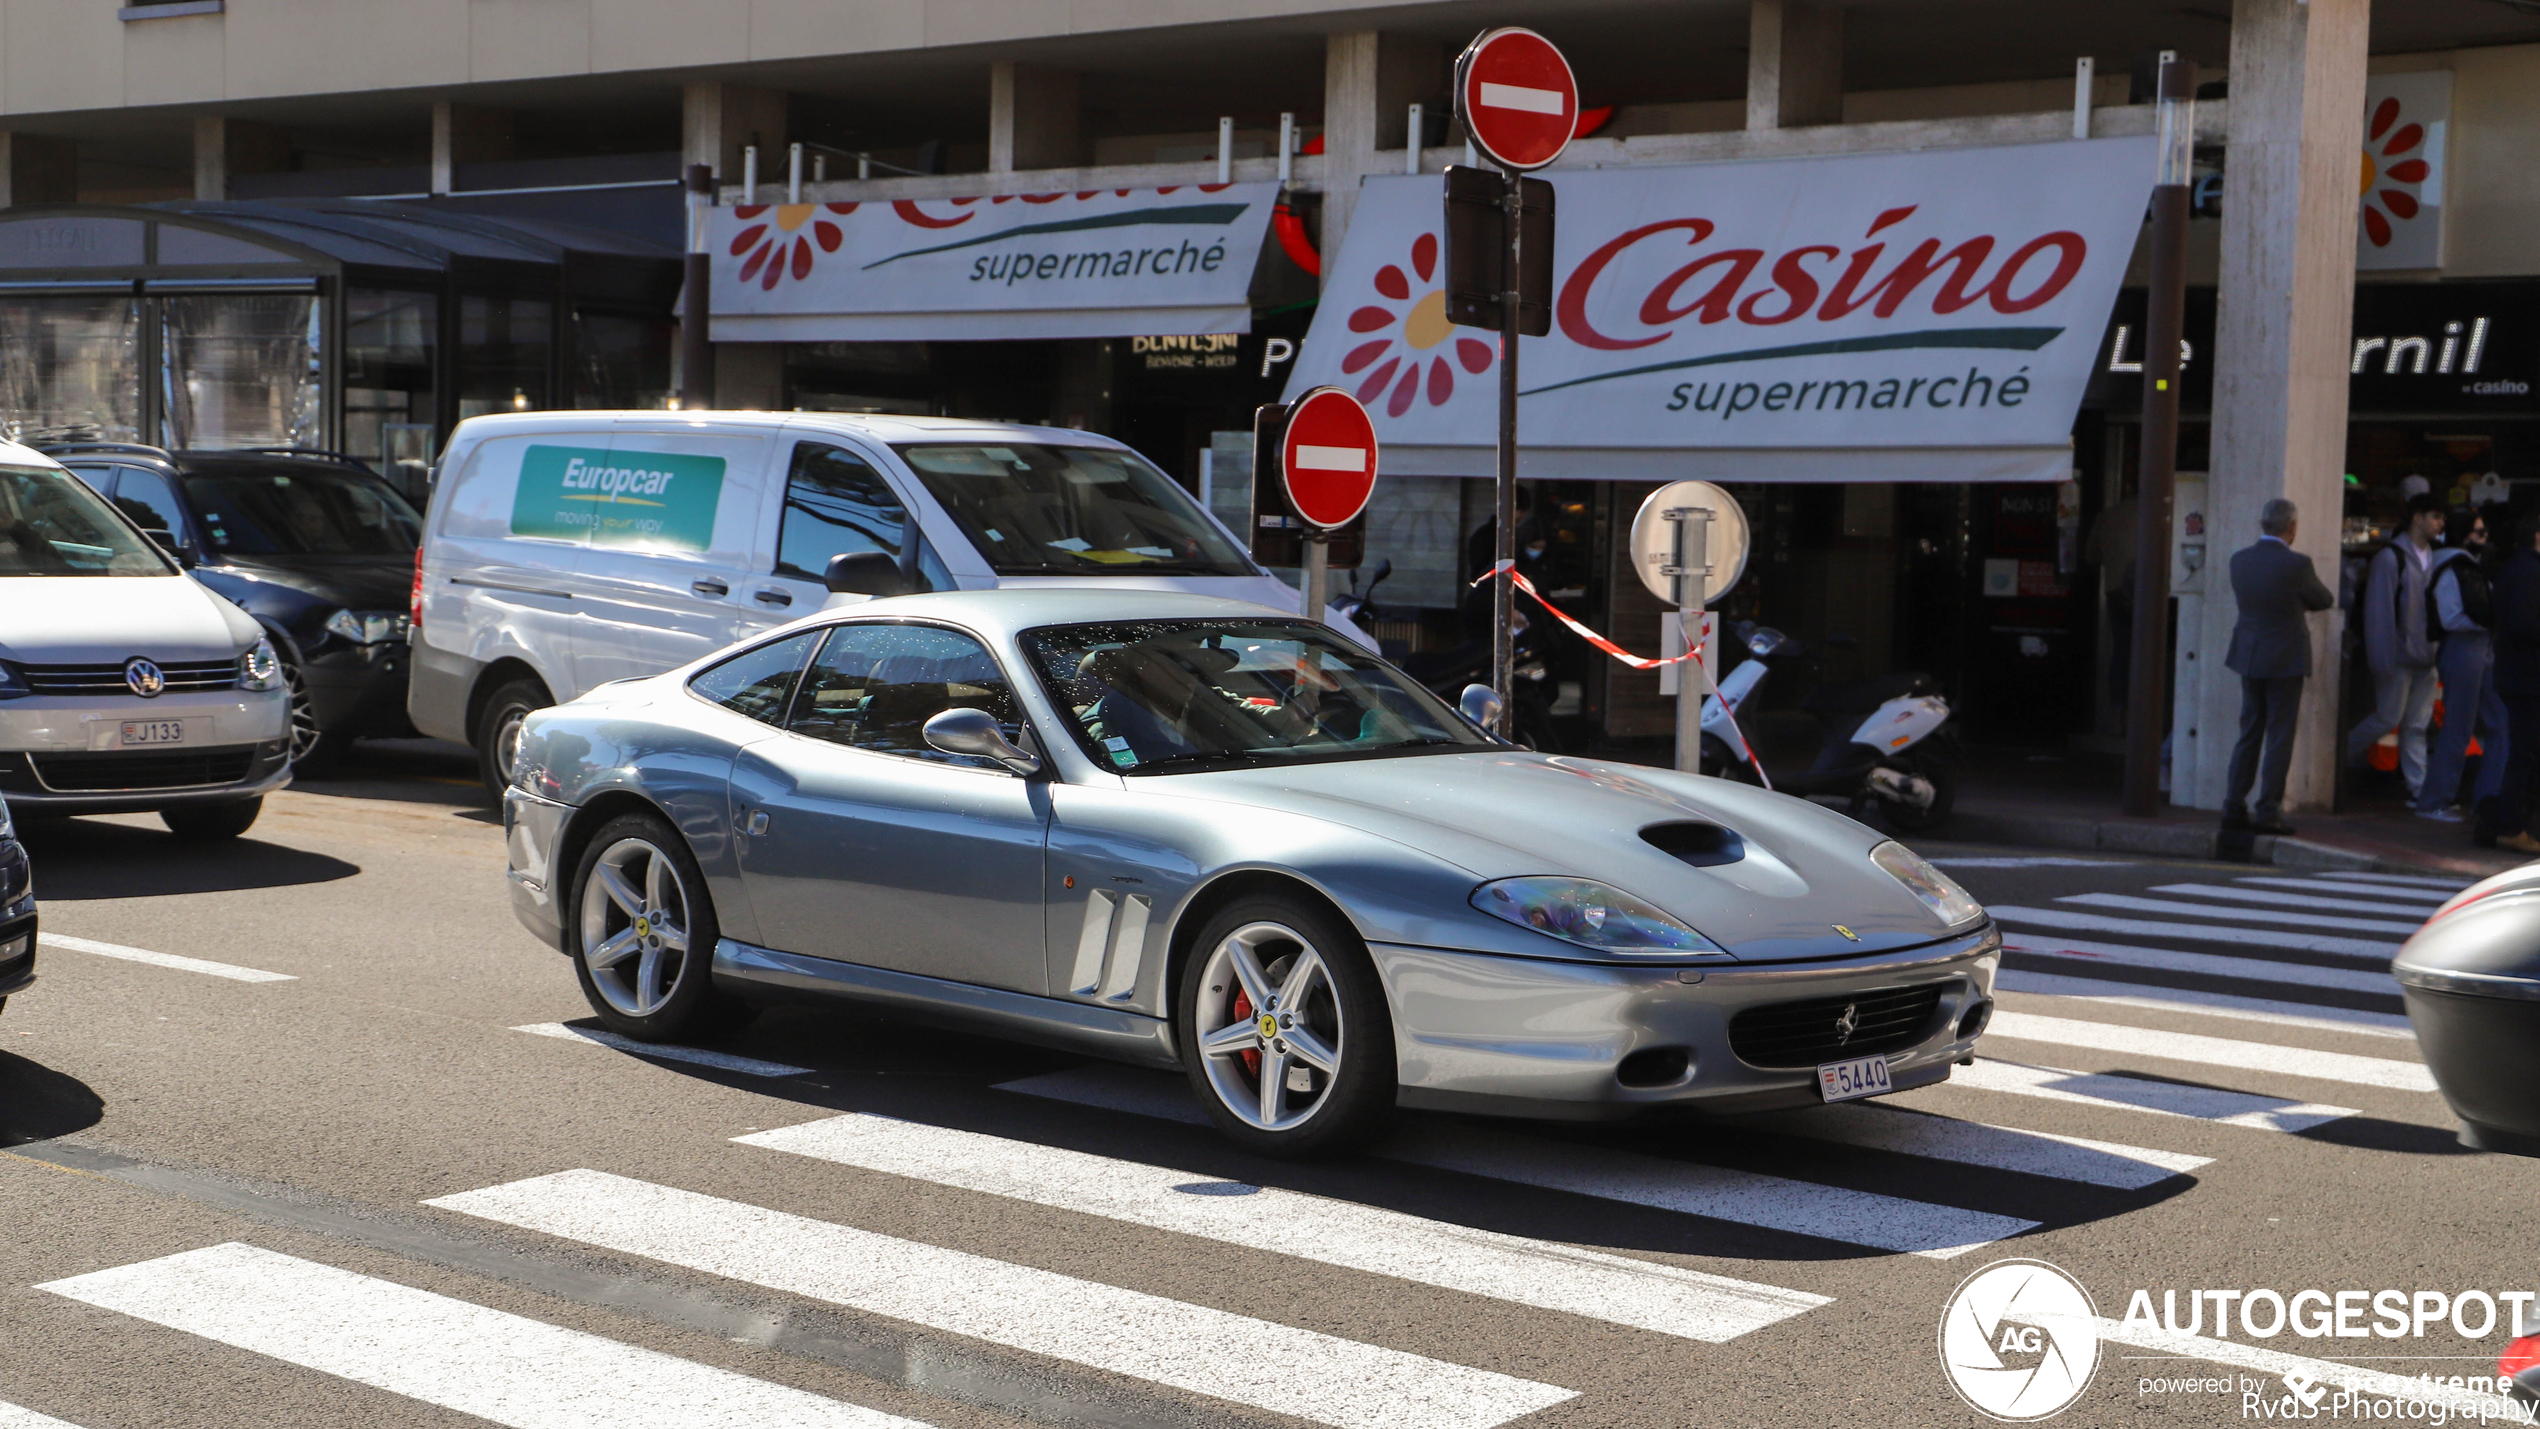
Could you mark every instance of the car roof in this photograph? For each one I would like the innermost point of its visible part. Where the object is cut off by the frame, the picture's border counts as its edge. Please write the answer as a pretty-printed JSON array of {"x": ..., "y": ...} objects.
[
  {"x": 880, "y": 427},
  {"x": 1006, "y": 612},
  {"x": 15, "y": 454}
]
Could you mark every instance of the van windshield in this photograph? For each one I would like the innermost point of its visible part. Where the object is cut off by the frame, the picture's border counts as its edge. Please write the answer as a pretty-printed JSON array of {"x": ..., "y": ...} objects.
[
  {"x": 51, "y": 524},
  {"x": 1036, "y": 510}
]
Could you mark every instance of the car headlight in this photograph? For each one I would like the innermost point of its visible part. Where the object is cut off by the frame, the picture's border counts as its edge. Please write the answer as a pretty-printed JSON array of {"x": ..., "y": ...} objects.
[
  {"x": 368, "y": 627},
  {"x": 1939, "y": 892},
  {"x": 1592, "y": 915},
  {"x": 6, "y": 829},
  {"x": 13, "y": 686},
  {"x": 260, "y": 668}
]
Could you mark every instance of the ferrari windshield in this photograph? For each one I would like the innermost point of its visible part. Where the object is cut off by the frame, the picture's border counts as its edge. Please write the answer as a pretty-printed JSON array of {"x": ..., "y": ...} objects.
[
  {"x": 1037, "y": 510},
  {"x": 1175, "y": 696}
]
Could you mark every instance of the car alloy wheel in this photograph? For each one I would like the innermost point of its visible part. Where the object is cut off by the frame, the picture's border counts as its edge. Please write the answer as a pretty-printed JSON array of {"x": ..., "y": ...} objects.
[
  {"x": 1272, "y": 1032},
  {"x": 635, "y": 927},
  {"x": 305, "y": 734}
]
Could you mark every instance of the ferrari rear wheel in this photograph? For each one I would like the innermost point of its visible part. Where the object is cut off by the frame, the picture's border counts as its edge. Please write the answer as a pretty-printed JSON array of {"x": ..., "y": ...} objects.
[{"x": 1285, "y": 1033}]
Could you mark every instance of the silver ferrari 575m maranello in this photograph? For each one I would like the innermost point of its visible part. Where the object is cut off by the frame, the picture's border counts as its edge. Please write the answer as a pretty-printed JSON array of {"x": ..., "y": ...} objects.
[{"x": 1185, "y": 831}]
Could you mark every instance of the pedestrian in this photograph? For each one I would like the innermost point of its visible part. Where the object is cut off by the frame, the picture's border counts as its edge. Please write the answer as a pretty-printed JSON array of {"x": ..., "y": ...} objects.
[
  {"x": 2459, "y": 612},
  {"x": 2514, "y": 626},
  {"x": 2276, "y": 588},
  {"x": 2398, "y": 646}
]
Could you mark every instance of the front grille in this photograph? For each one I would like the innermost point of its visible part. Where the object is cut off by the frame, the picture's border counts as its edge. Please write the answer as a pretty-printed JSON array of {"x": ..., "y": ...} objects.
[
  {"x": 183, "y": 676},
  {"x": 176, "y": 769},
  {"x": 1803, "y": 1034}
]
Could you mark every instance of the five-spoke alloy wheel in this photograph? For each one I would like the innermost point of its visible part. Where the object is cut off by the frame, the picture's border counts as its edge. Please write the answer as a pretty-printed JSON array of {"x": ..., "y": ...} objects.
[
  {"x": 1287, "y": 1038},
  {"x": 644, "y": 932}
]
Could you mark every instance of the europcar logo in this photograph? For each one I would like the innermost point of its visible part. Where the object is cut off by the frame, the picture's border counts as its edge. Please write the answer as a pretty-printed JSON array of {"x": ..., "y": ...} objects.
[{"x": 2019, "y": 1340}]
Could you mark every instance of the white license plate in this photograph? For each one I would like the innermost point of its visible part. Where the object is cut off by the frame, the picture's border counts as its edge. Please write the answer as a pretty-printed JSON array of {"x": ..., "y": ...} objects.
[
  {"x": 1860, "y": 1077},
  {"x": 153, "y": 731}
]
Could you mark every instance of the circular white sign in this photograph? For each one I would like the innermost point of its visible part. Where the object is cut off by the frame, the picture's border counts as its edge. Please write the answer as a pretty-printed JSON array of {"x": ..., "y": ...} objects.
[
  {"x": 1654, "y": 538},
  {"x": 2019, "y": 1340}
]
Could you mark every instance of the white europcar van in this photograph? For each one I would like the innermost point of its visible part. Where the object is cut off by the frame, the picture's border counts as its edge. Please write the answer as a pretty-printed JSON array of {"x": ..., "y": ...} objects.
[
  {"x": 125, "y": 685},
  {"x": 563, "y": 550}
]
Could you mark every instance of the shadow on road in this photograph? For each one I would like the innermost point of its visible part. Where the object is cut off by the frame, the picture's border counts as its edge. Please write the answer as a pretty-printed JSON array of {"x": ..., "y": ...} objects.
[
  {"x": 39, "y": 1104},
  {"x": 78, "y": 859}
]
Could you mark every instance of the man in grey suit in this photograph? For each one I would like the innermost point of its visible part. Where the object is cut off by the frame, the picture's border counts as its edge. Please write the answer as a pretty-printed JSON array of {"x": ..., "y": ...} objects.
[{"x": 2271, "y": 651}]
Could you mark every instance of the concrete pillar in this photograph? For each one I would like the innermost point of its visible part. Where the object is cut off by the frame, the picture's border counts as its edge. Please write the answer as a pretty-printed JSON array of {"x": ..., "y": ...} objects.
[
  {"x": 466, "y": 134},
  {"x": 1034, "y": 118},
  {"x": 225, "y": 148},
  {"x": 1794, "y": 64},
  {"x": 1370, "y": 81},
  {"x": 2286, "y": 316},
  {"x": 37, "y": 168},
  {"x": 717, "y": 121}
]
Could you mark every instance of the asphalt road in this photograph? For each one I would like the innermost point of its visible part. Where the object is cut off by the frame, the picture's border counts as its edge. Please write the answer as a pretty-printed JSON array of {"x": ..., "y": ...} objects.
[{"x": 216, "y": 1188}]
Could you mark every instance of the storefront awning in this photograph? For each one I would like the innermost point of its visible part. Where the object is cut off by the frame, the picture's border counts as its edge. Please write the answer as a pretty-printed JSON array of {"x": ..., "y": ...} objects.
[
  {"x": 1100, "y": 263},
  {"x": 1894, "y": 317}
]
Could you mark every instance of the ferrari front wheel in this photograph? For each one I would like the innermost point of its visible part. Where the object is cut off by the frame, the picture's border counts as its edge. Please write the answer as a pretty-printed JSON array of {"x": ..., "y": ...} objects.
[{"x": 1286, "y": 1035}]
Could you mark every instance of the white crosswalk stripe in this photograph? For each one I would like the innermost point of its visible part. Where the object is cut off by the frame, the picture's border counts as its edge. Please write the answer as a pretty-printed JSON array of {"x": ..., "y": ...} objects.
[
  {"x": 2319, "y": 898},
  {"x": 1644, "y": 1294},
  {"x": 2195, "y": 932},
  {"x": 2134, "y": 904},
  {"x": 2155, "y": 998},
  {"x": 180, "y": 963},
  {"x": 2388, "y": 892},
  {"x": 2215, "y": 1051},
  {"x": 14, "y": 1417},
  {"x": 1190, "y": 1347},
  {"x": 703, "y": 1057},
  {"x": 2102, "y": 1090},
  {"x": 1975, "y": 1143},
  {"x": 1742, "y": 1197},
  {"x": 2449, "y": 886},
  {"x": 446, "y": 1352},
  {"x": 2169, "y": 960}
]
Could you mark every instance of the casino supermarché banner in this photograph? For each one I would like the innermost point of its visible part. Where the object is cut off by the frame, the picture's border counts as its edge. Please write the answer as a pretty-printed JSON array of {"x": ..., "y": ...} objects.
[
  {"x": 1096, "y": 263},
  {"x": 1922, "y": 316}
]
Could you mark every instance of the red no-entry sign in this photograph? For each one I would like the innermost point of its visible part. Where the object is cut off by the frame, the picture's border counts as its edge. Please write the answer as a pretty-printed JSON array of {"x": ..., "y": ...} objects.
[
  {"x": 1517, "y": 97},
  {"x": 1328, "y": 457}
]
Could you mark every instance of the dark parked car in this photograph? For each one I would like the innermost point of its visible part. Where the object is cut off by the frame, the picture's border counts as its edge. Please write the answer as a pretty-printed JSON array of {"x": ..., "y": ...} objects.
[
  {"x": 17, "y": 913},
  {"x": 316, "y": 546}
]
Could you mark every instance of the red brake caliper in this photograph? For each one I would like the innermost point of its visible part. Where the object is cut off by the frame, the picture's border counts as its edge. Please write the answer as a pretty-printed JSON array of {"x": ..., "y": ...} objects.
[{"x": 1243, "y": 1013}]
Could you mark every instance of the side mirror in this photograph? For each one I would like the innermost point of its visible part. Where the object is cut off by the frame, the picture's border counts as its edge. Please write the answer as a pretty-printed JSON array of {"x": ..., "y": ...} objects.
[
  {"x": 873, "y": 573},
  {"x": 975, "y": 732},
  {"x": 166, "y": 541},
  {"x": 1481, "y": 704}
]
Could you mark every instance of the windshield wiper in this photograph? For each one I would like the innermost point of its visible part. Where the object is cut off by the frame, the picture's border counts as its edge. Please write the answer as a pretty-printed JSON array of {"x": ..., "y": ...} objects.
[{"x": 1206, "y": 758}]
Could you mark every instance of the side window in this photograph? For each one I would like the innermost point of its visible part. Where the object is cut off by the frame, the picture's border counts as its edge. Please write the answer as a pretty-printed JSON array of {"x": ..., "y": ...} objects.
[
  {"x": 836, "y": 504},
  {"x": 758, "y": 682},
  {"x": 95, "y": 478},
  {"x": 875, "y": 686},
  {"x": 146, "y": 497}
]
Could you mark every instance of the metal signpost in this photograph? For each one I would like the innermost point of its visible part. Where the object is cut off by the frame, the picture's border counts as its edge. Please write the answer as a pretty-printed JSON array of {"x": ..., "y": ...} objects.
[
  {"x": 1519, "y": 101},
  {"x": 2165, "y": 308},
  {"x": 1327, "y": 461},
  {"x": 1689, "y": 543}
]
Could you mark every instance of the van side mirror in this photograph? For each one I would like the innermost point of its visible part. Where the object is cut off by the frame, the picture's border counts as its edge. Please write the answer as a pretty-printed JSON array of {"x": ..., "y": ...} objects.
[{"x": 873, "y": 573}]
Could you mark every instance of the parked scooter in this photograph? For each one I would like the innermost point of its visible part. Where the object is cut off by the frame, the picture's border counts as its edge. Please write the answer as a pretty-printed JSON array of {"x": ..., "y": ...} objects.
[
  {"x": 1886, "y": 739},
  {"x": 1447, "y": 673}
]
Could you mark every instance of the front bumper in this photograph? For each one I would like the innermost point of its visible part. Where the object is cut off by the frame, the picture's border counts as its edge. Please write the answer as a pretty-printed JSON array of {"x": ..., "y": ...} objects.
[
  {"x": 532, "y": 829},
  {"x": 360, "y": 689},
  {"x": 17, "y": 931},
  {"x": 63, "y": 754},
  {"x": 1515, "y": 1036}
]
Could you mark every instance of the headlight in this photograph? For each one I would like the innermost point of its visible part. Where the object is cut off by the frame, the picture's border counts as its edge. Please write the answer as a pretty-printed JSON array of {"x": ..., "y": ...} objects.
[
  {"x": 13, "y": 686},
  {"x": 5, "y": 828},
  {"x": 260, "y": 668},
  {"x": 1592, "y": 915},
  {"x": 368, "y": 627},
  {"x": 1939, "y": 892}
]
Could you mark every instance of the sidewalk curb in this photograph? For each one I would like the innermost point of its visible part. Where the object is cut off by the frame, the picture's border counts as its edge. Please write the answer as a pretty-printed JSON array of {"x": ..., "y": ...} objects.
[{"x": 2175, "y": 839}]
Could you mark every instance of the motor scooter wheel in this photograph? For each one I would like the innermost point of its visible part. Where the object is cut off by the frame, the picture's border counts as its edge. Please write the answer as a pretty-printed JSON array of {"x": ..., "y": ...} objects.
[{"x": 1905, "y": 818}]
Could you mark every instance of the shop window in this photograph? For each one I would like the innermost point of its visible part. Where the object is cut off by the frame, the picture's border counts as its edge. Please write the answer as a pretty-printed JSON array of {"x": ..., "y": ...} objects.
[
  {"x": 505, "y": 348},
  {"x": 71, "y": 366},
  {"x": 621, "y": 361},
  {"x": 241, "y": 370},
  {"x": 391, "y": 349}
]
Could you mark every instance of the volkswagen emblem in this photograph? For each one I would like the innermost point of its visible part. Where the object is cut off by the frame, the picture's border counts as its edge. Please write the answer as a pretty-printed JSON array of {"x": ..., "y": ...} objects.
[
  {"x": 144, "y": 678},
  {"x": 1847, "y": 1024}
]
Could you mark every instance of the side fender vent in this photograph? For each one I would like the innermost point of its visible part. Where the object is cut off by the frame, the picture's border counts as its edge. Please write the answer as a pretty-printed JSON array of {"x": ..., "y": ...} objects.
[{"x": 1702, "y": 845}]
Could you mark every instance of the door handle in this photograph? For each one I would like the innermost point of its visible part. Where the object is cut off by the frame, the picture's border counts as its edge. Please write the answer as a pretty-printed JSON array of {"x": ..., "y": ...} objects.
[
  {"x": 710, "y": 588},
  {"x": 776, "y": 597}
]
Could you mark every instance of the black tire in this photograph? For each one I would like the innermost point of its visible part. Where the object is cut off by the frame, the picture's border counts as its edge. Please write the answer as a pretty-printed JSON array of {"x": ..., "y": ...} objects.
[
  {"x": 314, "y": 752},
  {"x": 1905, "y": 819},
  {"x": 209, "y": 823},
  {"x": 498, "y": 729},
  {"x": 1351, "y": 1102},
  {"x": 679, "y": 1003}
]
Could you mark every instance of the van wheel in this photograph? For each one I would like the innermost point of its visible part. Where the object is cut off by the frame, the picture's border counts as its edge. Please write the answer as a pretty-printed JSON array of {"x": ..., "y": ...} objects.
[
  {"x": 498, "y": 730},
  {"x": 205, "y": 823},
  {"x": 1284, "y": 1030}
]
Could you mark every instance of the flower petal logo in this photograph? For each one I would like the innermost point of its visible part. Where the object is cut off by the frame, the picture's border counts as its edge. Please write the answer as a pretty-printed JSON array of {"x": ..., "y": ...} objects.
[
  {"x": 779, "y": 245},
  {"x": 2394, "y": 159},
  {"x": 2019, "y": 1340},
  {"x": 1406, "y": 352}
]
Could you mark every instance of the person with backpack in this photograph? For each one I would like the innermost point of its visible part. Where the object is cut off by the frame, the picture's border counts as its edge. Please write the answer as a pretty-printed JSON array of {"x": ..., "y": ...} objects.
[
  {"x": 2398, "y": 644},
  {"x": 2457, "y": 614}
]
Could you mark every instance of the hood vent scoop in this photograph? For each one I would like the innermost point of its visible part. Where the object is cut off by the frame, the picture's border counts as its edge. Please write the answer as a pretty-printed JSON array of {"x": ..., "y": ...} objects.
[{"x": 1702, "y": 845}]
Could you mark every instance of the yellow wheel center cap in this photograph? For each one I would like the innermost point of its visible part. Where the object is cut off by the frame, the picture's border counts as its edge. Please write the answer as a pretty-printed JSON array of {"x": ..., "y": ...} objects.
[
  {"x": 643, "y": 927},
  {"x": 1268, "y": 1025}
]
